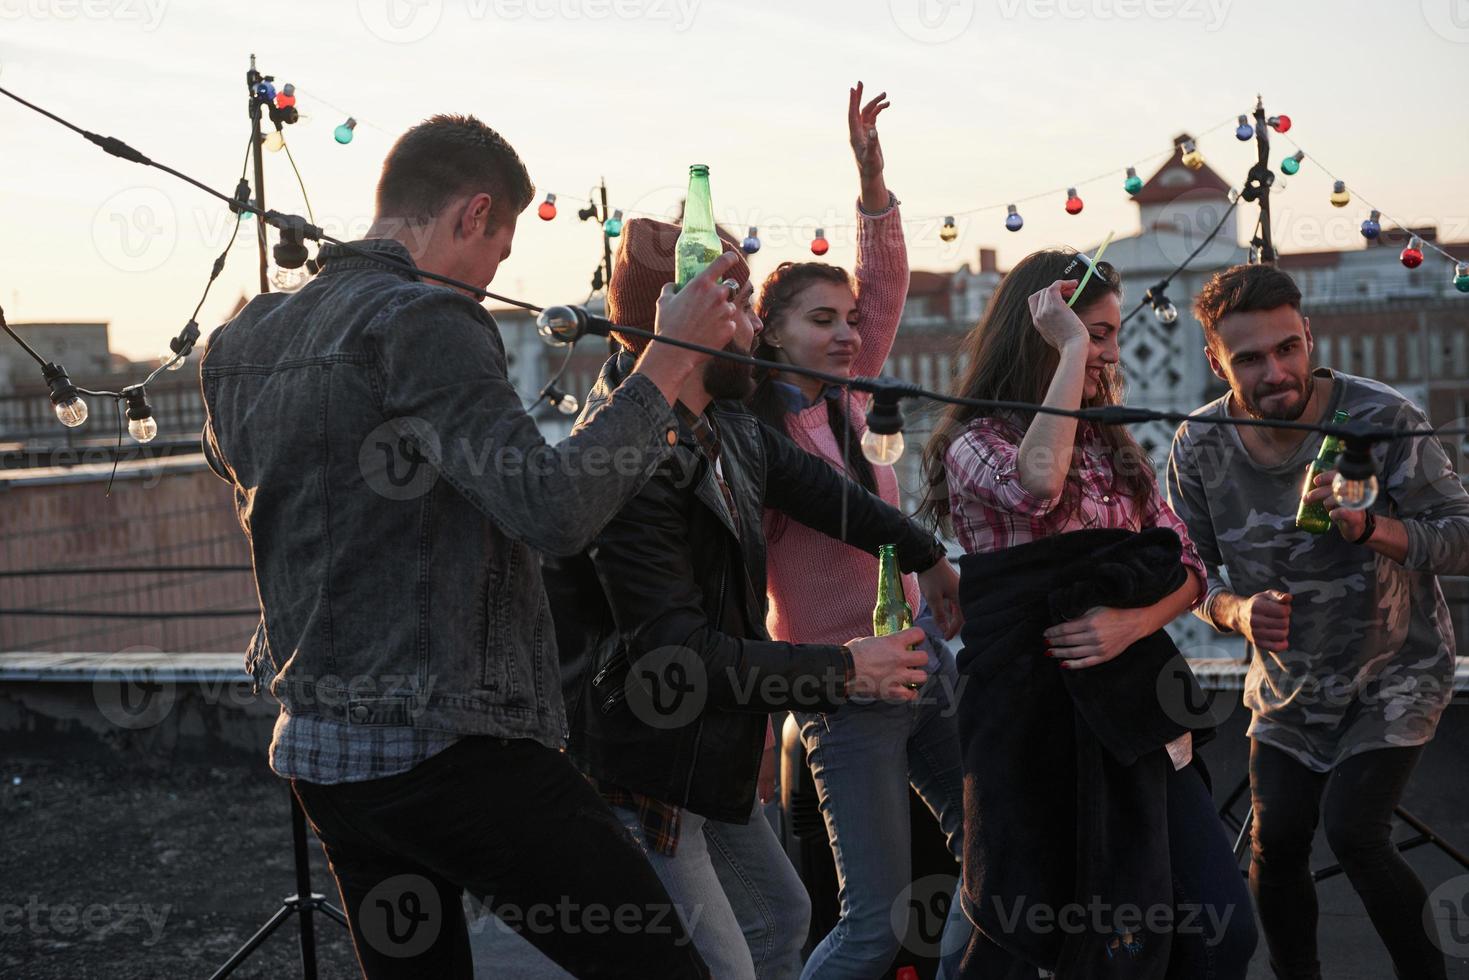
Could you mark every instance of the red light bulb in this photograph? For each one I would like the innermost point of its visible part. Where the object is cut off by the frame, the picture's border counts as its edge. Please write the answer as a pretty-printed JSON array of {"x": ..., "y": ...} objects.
[
  {"x": 1281, "y": 124},
  {"x": 819, "y": 244},
  {"x": 547, "y": 210},
  {"x": 1412, "y": 256},
  {"x": 1073, "y": 203}
]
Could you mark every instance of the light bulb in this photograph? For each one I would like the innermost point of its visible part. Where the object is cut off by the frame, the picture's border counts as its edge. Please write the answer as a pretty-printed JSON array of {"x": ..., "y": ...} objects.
[
  {"x": 1013, "y": 220},
  {"x": 1461, "y": 277},
  {"x": 1412, "y": 255},
  {"x": 567, "y": 405},
  {"x": 1192, "y": 158},
  {"x": 1133, "y": 183},
  {"x": 71, "y": 411},
  {"x": 275, "y": 141},
  {"x": 1372, "y": 227},
  {"x": 882, "y": 449},
  {"x": 819, "y": 244},
  {"x": 1281, "y": 124},
  {"x": 1339, "y": 196},
  {"x": 1244, "y": 131},
  {"x": 288, "y": 280},
  {"x": 612, "y": 227},
  {"x": 1355, "y": 494},
  {"x": 751, "y": 244},
  {"x": 143, "y": 429},
  {"x": 948, "y": 232},
  {"x": 343, "y": 133},
  {"x": 1165, "y": 311},
  {"x": 1292, "y": 163},
  {"x": 1073, "y": 203},
  {"x": 171, "y": 361},
  {"x": 547, "y": 210}
]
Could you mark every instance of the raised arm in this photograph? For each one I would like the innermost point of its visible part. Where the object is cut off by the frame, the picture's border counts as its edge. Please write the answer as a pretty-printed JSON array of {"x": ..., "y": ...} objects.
[{"x": 882, "y": 255}]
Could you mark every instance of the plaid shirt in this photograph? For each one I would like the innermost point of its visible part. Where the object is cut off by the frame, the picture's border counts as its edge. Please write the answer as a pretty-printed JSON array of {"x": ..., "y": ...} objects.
[
  {"x": 320, "y": 750},
  {"x": 992, "y": 510}
]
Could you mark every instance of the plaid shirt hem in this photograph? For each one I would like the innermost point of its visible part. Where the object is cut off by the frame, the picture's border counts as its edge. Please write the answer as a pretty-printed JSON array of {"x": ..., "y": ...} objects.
[
  {"x": 659, "y": 820},
  {"x": 319, "y": 750}
]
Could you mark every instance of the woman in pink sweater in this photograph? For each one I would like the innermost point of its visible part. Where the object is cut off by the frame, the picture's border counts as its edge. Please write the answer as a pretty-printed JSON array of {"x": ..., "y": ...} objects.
[{"x": 864, "y": 757}]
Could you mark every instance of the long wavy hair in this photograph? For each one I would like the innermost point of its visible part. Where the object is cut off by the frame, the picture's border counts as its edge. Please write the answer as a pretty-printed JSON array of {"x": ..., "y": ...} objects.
[
  {"x": 1008, "y": 360},
  {"x": 777, "y": 296}
]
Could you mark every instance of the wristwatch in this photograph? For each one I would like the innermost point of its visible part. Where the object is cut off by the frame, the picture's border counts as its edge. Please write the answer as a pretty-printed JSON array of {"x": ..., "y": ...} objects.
[{"x": 1368, "y": 530}]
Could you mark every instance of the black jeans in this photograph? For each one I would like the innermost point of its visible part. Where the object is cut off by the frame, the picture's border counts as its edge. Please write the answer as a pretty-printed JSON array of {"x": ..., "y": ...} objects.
[
  {"x": 1213, "y": 929},
  {"x": 1364, "y": 791},
  {"x": 514, "y": 824}
]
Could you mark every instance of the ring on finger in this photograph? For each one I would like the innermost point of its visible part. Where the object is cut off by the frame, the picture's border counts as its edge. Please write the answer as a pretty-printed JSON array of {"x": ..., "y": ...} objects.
[{"x": 730, "y": 285}]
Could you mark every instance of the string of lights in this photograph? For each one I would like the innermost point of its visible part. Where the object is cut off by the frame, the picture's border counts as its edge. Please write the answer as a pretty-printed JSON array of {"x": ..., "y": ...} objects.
[
  {"x": 1412, "y": 254},
  {"x": 1355, "y": 485}
]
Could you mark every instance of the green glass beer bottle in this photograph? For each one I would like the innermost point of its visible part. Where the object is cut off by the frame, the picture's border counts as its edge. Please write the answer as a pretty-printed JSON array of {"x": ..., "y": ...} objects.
[
  {"x": 1312, "y": 517},
  {"x": 698, "y": 244},
  {"x": 892, "y": 613}
]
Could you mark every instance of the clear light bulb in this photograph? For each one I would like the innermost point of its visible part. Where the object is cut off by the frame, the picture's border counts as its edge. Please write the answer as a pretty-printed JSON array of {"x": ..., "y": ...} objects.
[
  {"x": 143, "y": 430},
  {"x": 71, "y": 411},
  {"x": 880, "y": 449},
  {"x": 170, "y": 361},
  {"x": 288, "y": 280},
  {"x": 1166, "y": 312},
  {"x": 276, "y": 141},
  {"x": 567, "y": 405},
  {"x": 1355, "y": 494}
]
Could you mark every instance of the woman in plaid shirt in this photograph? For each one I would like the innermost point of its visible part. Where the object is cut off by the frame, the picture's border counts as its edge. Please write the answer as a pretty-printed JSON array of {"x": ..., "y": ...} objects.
[{"x": 1000, "y": 480}]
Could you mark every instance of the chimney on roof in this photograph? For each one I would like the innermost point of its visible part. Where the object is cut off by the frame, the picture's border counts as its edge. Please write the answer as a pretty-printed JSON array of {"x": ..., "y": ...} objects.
[{"x": 988, "y": 261}]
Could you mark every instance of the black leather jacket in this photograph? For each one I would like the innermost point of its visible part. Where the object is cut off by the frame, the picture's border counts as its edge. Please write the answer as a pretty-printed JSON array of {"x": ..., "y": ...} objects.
[{"x": 667, "y": 670}]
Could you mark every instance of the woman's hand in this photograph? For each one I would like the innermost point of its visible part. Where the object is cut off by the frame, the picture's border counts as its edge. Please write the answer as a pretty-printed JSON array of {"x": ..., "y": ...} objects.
[
  {"x": 940, "y": 586},
  {"x": 1097, "y": 637},
  {"x": 1054, "y": 320},
  {"x": 862, "y": 130}
]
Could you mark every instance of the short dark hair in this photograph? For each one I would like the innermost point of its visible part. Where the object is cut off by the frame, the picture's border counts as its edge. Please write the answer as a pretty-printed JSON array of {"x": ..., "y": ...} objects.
[
  {"x": 446, "y": 157},
  {"x": 1243, "y": 289}
]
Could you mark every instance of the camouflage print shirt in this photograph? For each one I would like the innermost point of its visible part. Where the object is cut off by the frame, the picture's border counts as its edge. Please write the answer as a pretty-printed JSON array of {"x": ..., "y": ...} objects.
[{"x": 1371, "y": 658}]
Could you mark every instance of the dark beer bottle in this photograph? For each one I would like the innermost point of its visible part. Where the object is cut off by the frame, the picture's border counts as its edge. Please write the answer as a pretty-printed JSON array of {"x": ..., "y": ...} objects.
[
  {"x": 1313, "y": 517},
  {"x": 698, "y": 244}
]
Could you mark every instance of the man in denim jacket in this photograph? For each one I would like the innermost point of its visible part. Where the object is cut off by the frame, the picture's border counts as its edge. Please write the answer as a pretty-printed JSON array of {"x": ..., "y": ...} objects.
[{"x": 396, "y": 495}]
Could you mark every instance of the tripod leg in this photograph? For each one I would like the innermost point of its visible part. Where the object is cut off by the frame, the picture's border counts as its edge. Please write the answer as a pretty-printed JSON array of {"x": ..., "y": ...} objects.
[
  {"x": 261, "y": 934},
  {"x": 1242, "y": 842},
  {"x": 1429, "y": 837},
  {"x": 303, "y": 889}
]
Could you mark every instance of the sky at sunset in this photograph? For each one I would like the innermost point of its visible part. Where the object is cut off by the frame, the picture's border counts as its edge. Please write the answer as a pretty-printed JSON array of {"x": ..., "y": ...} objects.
[{"x": 992, "y": 101}]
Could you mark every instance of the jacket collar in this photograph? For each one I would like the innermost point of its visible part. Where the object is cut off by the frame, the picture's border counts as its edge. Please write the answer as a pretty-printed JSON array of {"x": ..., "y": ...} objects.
[{"x": 335, "y": 259}]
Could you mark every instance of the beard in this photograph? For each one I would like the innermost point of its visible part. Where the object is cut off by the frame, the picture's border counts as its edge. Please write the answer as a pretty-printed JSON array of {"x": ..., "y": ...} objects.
[
  {"x": 728, "y": 379},
  {"x": 1289, "y": 412}
]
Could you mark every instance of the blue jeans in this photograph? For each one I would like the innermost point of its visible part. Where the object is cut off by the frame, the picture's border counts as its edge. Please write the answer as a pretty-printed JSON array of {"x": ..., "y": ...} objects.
[
  {"x": 737, "y": 893},
  {"x": 863, "y": 759}
]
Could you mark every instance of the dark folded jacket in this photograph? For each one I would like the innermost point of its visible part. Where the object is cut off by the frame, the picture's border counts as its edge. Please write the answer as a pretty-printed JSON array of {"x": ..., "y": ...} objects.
[{"x": 1065, "y": 772}]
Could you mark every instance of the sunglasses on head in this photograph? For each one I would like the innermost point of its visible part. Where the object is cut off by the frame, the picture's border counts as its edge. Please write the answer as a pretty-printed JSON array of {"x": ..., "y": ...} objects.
[{"x": 1079, "y": 263}]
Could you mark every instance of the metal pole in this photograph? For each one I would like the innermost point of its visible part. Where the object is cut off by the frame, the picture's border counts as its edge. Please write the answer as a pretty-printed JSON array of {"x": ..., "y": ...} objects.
[
  {"x": 252, "y": 78},
  {"x": 1262, "y": 143}
]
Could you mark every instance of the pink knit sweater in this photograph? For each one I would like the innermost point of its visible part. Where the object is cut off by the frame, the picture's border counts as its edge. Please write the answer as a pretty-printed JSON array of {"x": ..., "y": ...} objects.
[{"x": 820, "y": 590}]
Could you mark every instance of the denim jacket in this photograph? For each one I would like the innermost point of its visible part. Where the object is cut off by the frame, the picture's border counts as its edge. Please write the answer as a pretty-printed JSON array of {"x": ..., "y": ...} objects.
[{"x": 396, "y": 495}]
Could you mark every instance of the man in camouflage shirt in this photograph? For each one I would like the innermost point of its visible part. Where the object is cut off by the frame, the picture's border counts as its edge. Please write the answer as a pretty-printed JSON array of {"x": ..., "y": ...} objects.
[{"x": 1351, "y": 647}]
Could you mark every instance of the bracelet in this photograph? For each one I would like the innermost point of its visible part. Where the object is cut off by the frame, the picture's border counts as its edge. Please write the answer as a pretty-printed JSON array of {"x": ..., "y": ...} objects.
[{"x": 1368, "y": 531}]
